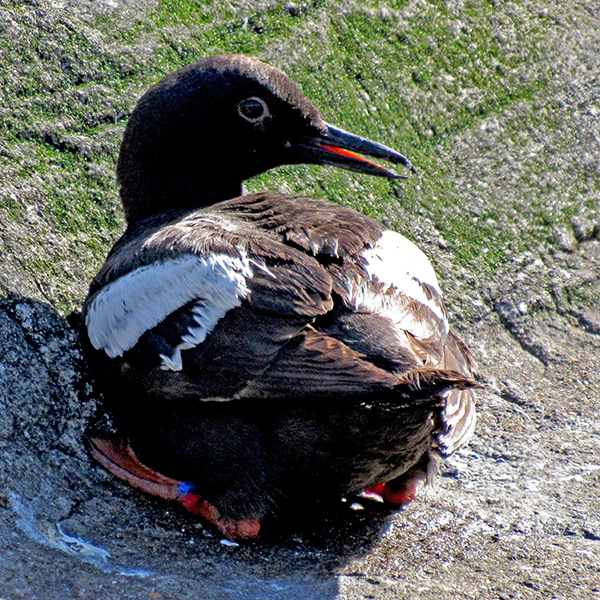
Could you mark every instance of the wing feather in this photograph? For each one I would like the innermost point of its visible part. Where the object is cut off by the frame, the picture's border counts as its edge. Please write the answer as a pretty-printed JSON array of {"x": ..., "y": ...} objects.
[{"x": 274, "y": 296}]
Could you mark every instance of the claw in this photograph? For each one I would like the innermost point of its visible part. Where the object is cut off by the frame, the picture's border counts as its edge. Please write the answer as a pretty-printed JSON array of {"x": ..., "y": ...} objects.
[{"x": 372, "y": 495}]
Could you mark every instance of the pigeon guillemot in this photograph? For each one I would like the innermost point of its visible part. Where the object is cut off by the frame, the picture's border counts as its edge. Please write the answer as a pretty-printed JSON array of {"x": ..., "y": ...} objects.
[{"x": 267, "y": 348}]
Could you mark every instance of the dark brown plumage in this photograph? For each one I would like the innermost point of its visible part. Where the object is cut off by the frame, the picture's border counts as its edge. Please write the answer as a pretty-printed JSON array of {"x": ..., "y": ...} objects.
[{"x": 264, "y": 345}]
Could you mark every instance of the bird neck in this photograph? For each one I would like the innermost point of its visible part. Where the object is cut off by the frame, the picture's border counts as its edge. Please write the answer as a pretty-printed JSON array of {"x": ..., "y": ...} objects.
[
  {"x": 164, "y": 166},
  {"x": 155, "y": 189}
]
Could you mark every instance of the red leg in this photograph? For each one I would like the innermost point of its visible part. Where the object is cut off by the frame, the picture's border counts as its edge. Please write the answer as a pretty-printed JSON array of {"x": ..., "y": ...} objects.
[
  {"x": 120, "y": 460},
  {"x": 235, "y": 530}
]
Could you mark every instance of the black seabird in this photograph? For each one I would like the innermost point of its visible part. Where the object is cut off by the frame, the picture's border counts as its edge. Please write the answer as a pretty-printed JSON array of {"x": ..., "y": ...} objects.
[{"x": 269, "y": 349}]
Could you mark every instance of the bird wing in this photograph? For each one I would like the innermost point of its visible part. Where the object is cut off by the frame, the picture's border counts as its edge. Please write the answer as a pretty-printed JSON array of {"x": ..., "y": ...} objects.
[
  {"x": 388, "y": 305},
  {"x": 267, "y": 296},
  {"x": 389, "y": 317},
  {"x": 199, "y": 305}
]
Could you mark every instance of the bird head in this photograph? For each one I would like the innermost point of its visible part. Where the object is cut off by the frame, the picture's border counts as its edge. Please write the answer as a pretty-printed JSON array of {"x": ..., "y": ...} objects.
[{"x": 197, "y": 134}]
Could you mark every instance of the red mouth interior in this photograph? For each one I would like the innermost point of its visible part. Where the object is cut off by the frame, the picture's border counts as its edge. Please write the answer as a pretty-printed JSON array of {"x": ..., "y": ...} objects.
[{"x": 347, "y": 153}]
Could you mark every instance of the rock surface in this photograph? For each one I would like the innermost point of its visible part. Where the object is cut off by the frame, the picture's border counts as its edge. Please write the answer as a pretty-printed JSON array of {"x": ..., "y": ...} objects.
[{"x": 515, "y": 515}]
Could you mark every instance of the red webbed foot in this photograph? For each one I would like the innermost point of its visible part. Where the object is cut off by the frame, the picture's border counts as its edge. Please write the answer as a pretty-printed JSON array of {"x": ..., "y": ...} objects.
[
  {"x": 120, "y": 460},
  {"x": 245, "y": 529},
  {"x": 401, "y": 491}
]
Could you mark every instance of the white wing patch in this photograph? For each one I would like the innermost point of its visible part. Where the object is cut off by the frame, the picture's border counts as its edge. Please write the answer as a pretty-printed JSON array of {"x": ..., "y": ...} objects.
[
  {"x": 131, "y": 305},
  {"x": 397, "y": 263}
]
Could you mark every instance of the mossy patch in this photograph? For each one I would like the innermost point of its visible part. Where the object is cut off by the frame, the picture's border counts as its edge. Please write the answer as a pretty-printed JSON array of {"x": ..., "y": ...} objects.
[{"x": 421, "y": 78}]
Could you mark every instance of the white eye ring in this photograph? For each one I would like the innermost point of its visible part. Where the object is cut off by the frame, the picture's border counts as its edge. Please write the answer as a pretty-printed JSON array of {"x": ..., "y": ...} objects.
[{"x": 253, "y": 109}]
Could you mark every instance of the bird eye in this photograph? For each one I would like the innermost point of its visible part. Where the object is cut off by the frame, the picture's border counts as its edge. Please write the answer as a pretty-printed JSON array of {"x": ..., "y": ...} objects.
[{"x": 253, "y": 109}]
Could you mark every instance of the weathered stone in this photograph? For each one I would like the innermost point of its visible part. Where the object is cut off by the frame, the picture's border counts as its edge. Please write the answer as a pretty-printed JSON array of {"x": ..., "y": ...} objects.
[{"x": 515, "y": 515}]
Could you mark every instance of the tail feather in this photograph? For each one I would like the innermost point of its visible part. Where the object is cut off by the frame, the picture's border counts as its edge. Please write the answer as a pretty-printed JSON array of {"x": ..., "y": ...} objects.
[
  {"x": 437, "y": 380},
  {"x": 459, "y": 415}
]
